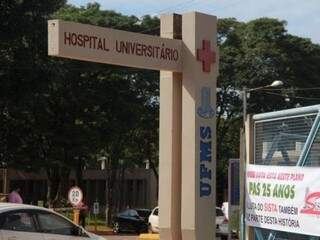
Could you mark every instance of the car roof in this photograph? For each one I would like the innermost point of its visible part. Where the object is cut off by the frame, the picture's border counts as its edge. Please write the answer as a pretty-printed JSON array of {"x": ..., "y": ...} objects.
[
  {"x": 137, "y": 209},
  {"x": 15, "y": 206},
  {"x": 4, "y": 207}
]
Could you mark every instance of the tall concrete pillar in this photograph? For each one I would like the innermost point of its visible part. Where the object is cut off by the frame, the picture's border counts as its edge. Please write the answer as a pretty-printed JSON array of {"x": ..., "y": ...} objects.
[
  {"x": 199, "y": 33},
  {"x": 170, "y": 141}
]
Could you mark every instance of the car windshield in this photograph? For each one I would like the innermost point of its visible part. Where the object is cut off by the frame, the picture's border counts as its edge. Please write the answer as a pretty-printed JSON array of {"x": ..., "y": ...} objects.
[
  {"x": 144, "y": 213},
  {"x": 219, "y": 212}
]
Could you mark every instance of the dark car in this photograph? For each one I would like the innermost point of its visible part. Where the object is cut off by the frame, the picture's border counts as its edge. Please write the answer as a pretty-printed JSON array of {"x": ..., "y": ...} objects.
[{"x": 131, "y": 220}]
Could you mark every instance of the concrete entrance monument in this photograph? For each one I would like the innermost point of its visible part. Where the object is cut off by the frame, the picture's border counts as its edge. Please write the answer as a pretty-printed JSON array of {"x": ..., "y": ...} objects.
[{"x": 186, "y": 55}]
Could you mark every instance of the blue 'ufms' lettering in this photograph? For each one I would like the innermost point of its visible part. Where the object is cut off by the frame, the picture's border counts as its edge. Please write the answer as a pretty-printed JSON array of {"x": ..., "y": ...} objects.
[
  {"x": 205, "y": 151},
  {"x": 205, "y": 132},
  {"x": 204, "y": 172},
  {"x": 205, "y": 158},
  {"x": 205, "y": 189}
]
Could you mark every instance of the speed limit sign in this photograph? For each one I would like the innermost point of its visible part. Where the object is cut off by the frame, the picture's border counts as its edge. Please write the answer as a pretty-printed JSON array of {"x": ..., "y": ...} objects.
[{"x": 75, "y": 196}]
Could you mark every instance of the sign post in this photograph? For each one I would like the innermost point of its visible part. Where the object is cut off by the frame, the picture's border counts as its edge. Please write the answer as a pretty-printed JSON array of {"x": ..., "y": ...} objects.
[
  {"x": 95, "y": 213},
  {"x": 170, "y": 141},
  {"x": 200, "y": 70},
  {"x": 110, "y": 46},
  {"x": 75, "y": 197},
  {"x": 233, "y": 196},
  {"x": 186, "y": 55},
  {"x": 96, "y": 208}
]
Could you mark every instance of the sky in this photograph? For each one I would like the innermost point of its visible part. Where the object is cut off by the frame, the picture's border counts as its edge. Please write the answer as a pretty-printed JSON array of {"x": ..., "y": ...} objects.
[{"x": 302, "y": 16}]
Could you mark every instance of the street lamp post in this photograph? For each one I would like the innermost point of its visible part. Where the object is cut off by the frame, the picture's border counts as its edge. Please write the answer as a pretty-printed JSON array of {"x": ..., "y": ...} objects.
[
  {"x": 245, "y": 91},
  {"x": 244, "y": 107}
]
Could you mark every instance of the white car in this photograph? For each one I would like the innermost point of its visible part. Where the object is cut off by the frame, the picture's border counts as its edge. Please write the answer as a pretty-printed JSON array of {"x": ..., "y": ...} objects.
[
  {"x": 27, "y": 222},
  {"x": 221, "y": 222},
  {"x": 225, "y": 209},
  {"x": 154, "y": 220}
]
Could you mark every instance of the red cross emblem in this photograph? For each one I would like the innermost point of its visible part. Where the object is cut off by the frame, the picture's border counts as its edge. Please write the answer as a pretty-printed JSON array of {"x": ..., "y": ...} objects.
[{"x": 206, "y": 56}]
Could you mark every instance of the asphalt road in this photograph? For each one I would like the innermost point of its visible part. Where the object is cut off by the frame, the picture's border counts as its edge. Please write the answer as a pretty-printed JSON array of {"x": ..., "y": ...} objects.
[{"x": 126, "y": 237}]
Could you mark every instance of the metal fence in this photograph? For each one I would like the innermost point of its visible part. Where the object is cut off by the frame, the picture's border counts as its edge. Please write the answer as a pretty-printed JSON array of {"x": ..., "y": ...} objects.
[
  {"x": 281, "y": 141},
  {"x": 287, "y": 138}
]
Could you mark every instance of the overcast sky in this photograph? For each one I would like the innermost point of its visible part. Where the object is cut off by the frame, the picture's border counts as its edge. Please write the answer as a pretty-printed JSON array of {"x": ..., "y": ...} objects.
[{"x": 303, "y": 16}]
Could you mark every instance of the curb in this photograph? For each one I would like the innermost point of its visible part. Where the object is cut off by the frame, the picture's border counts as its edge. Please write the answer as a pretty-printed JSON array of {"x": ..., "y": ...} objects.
[{"x": 149, "y": 236}]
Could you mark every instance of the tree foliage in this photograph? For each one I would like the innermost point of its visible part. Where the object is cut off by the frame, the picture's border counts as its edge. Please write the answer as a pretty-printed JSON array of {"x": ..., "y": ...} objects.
[
  {"x": 255, "y": 54},
  {"x": 62, "y": 115}
]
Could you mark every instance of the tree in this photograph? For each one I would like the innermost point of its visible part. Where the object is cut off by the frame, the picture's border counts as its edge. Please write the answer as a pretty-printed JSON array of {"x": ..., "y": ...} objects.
[
  {"x": 59, "y": 114},
  {"x": 255, "y": 54},
  {"x": 23, "y": 76},
  {"x": 127, "y": 118}
]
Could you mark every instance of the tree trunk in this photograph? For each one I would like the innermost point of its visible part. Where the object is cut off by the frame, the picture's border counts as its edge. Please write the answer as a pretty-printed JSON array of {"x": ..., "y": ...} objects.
[
  {"x": 53, "y": 183},
  {"x": 79, "y": 173},
  {"x": 122, "y": 183},
  {"x": 49, "y": 190},
  {"x": 58, "y": 178},
  {"x": 111, "y": 192},
  {"x": 62, "y": 188}
]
